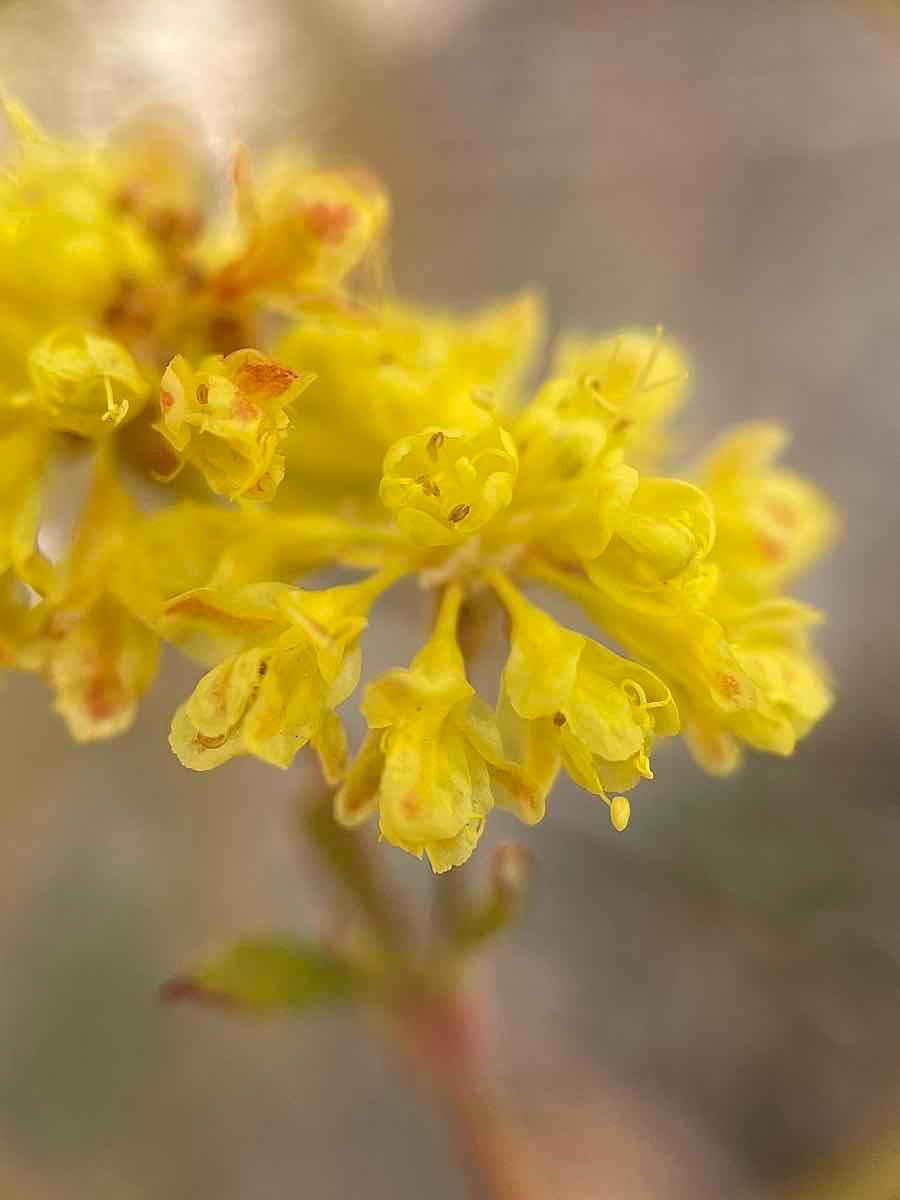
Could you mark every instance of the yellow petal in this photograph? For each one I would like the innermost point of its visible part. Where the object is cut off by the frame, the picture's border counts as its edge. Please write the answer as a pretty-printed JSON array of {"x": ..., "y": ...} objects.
[
  {"x": 543, "y": 659},
  {"x": 228, "y": 418},
  {"x": 84, "y": 383},
  {"x": 657, "y": 559},
  {"x": 640, "y": 374},
  {"x": 772, "y": 523},
  {"x": 357, "y": 796},
  {"x": 211, "y": 623},
  {"x": 303, "y": 229},
  {"x": 100, "y": 668},
  {"x": 444, "y": 485}
]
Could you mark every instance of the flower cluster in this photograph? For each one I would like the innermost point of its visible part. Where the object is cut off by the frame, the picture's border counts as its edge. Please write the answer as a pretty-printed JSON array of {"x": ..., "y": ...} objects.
[{"x": 367, "y": 436}]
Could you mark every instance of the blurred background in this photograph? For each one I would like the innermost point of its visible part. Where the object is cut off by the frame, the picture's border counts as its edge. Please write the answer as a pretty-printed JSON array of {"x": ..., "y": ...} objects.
[{"x": 705, "y": 1007}]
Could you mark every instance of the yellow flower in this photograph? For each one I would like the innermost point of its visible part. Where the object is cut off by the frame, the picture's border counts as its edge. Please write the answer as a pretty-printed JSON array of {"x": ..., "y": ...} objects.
[
  {"x": 444, "y": 485},
  {"x": 66, "y": 245},
  {"x": 290, "y": 658},
  {"x": 771, "y": 646},
  {"x": 574, "y": 485},
  {"x": 602, "y": 710},
  {"x": 771, "y": 522},
  {"x": 415, "y": 450},
  {"x": 754, "y": 680},
  {"x": 228, "y": 418},
  {"x": 96, "y": 654},
  {"x": 657, "y": 558},
  {"x": 432, "y": 753},
  {"x": 83, "y": 383},
  {"x": 639, "y": 375},
  {"x": 303, "y": 229},
  {"x": 162, "y": 170},
  {"x": 99, "y": 666},
  {"x": 383, "y": 374},
  {"x": 23, "y": 456},
  {"x": 192, "y": 545},
  {"x": 579, "y": 498}
]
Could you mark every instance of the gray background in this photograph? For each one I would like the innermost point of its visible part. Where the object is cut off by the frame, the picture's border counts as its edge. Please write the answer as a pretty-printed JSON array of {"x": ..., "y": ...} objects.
[{"x": 704, "y": 1007}]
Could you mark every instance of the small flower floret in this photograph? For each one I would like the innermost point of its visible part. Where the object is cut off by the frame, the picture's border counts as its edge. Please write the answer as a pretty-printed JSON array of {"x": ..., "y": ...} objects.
[{"x": 229, "y": 417}]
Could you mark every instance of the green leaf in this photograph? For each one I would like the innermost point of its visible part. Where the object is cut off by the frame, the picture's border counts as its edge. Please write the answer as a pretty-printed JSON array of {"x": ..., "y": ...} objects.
[{"x": 269, "y": 975}]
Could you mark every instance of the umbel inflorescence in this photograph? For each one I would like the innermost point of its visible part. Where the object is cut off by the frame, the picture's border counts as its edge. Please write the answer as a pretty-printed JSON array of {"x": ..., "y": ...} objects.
[{"x": 373, "y": 436}]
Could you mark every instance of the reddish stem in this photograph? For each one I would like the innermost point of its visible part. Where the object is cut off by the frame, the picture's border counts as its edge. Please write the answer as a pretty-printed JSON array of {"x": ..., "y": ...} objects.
[{"x": 443, "y": 1035}]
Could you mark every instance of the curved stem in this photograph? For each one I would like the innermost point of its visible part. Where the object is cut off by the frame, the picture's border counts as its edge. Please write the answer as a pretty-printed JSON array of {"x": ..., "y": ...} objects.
[
  {"x": 345, "y": 857},
  {"x": 446, "y": 1041},
  {"x": 436, "y": 1024},
  {"x": 449, "y": 892}
]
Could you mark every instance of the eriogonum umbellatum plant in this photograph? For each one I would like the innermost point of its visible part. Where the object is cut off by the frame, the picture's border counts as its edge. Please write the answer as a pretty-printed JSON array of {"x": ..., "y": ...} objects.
[{"x": 288, "y": 418}]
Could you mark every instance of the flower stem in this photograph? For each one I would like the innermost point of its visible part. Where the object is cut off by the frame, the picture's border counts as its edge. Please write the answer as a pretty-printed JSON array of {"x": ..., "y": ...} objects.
[
  {"x": 445, "y": 1040},
  {"x": 449, "y": 903},
  {"x": 345, "y": 857},
  {"x": 434, "y": 1023}
]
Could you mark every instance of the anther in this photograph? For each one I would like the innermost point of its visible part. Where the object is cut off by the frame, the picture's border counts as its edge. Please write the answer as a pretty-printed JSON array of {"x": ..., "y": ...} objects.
[
  {"x": 559, "y": 719},
  {"x": 202, "y": 394},
  {"x": 459, "y": 513},
  {"x": 210, "y": 743},
  {"x": 428, "y": 486},
  {"x": 434, "y": 444},
  {"x": 619, "y": 812}
]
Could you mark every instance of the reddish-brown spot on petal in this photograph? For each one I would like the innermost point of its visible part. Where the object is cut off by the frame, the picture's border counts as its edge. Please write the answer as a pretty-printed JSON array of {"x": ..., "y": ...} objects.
[
  {"x": 199, "y": 609},
  {"x": 244, "y": 409},
  {"x": 104, "y": 696},
  {"x": 410, "y": 805},
  {"x": 330, "y": 223},
  {"x": 785, "y": 514},
  {"x": 166, "y": 401},
  {"x": 184, "y": 988},
  {"x": 771, "y": 548},
  {"x": 728, "y": 685},
  {"x": 210, "y": 743},
  {"x": 263, "y": 379}
]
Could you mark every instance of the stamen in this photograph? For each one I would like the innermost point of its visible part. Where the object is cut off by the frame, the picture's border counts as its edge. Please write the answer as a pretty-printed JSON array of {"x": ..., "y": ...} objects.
[
  {"x": 210, "y": 743},
  {"x": 619, "y": 812},
  {"x": 459, "y": 513},
  {"x": 643, "y": 375},
  {"x": 428, "y": 485},
  {"x": 634, "y": 692}
]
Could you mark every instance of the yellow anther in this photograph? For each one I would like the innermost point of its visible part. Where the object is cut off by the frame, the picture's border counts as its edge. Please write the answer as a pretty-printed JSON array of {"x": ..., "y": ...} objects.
[{"x": 619, "y": 812}]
